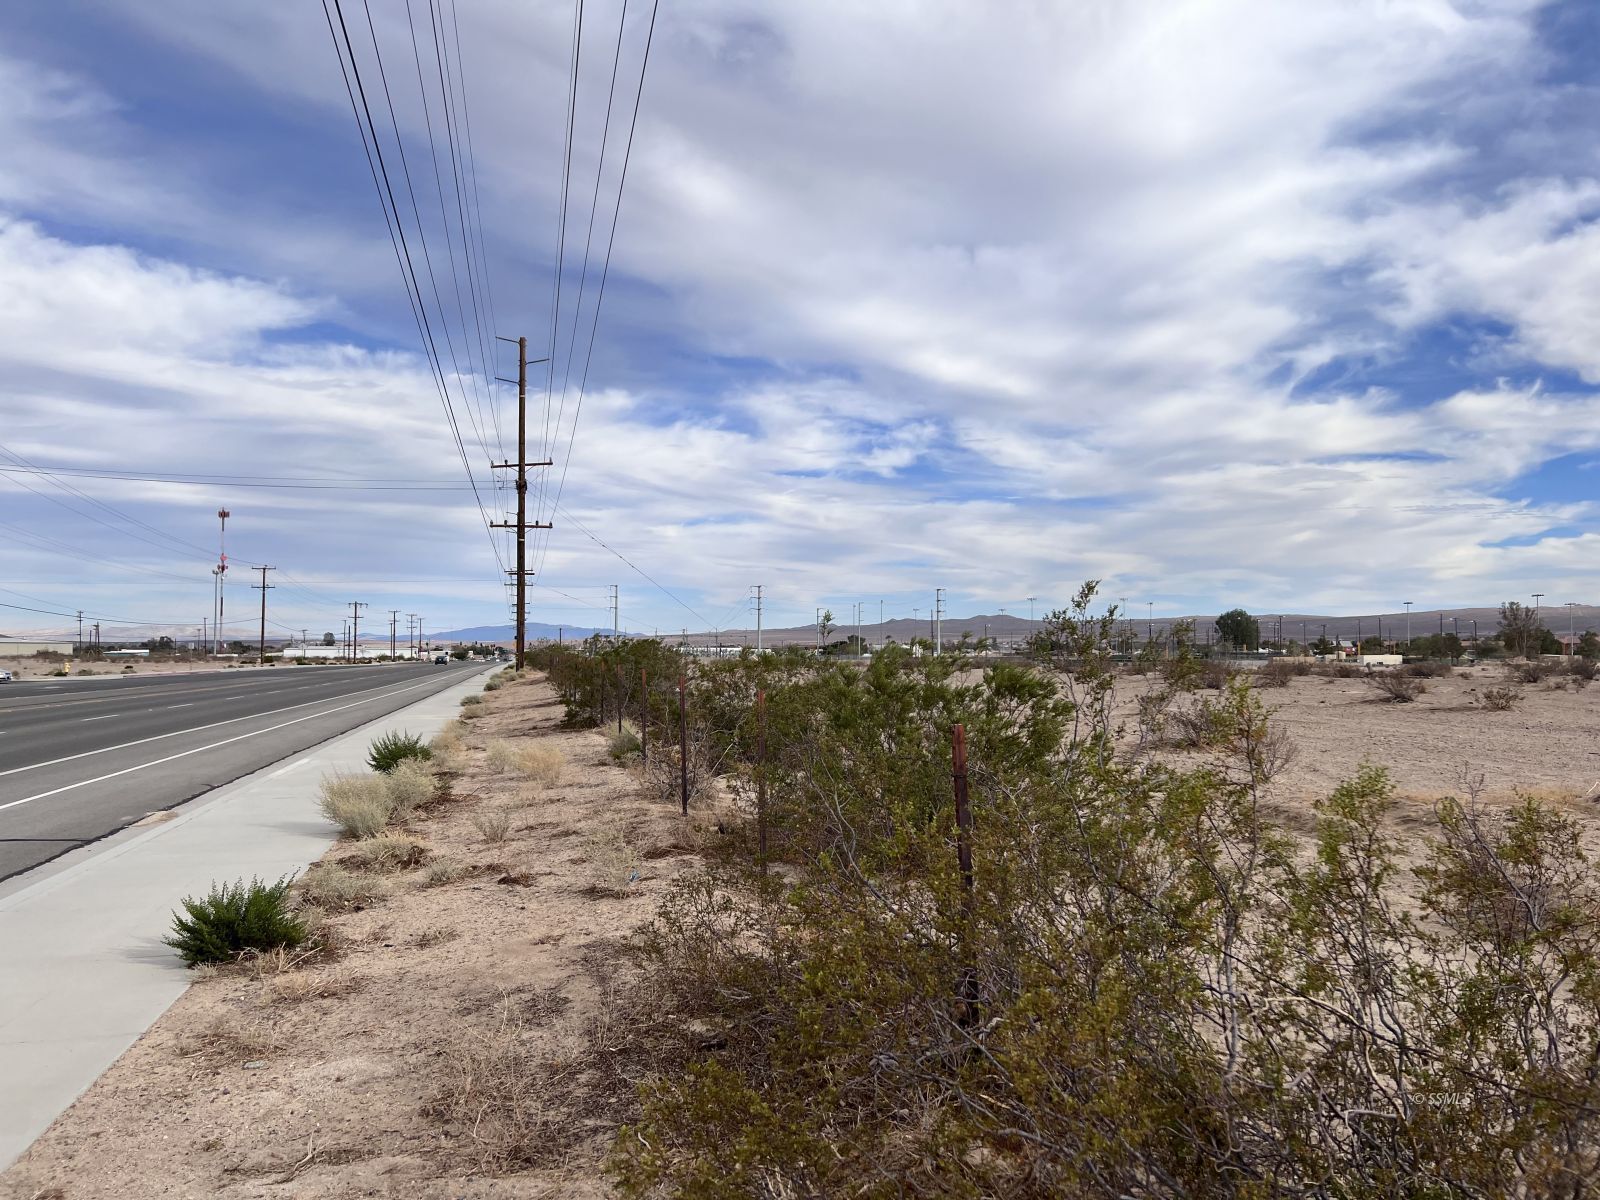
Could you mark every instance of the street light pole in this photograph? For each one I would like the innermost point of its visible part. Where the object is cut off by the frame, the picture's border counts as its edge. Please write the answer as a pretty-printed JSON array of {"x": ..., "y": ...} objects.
[{"x": 1408, "y": 624}]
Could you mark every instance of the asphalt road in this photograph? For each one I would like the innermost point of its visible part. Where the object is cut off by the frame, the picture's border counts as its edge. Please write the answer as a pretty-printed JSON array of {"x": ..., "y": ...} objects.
[{"x": 83, "y": 758}]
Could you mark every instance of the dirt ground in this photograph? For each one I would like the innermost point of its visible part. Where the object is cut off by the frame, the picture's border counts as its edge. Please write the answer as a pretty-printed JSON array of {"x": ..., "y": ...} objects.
[
  {"x": 1547, "y": 747},
  {"x": 442, "y": 1047},
  {"x": 446, "y": 1045}
]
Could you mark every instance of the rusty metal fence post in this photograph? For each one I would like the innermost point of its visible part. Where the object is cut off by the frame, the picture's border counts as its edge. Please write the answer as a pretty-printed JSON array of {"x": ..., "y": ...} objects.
[
  {"x": 644, "y": 718},
  {"x": 967, "y": 989},
  {"x": 683, "y": 746},
  {"x": 761, "y": 778}
]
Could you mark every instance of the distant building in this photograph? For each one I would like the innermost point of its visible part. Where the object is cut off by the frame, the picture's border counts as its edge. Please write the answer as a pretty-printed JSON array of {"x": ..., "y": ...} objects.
[{"x": 20, "y": 647}]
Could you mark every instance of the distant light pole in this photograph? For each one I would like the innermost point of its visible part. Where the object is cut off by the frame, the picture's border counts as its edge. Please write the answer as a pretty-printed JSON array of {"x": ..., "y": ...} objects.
[
  {"x": 1408, "y": 624},
  {"x": 1150, "y": 617},
  {"x": 1536, "y": 596},
  {"x": 1572, "y": 625}
]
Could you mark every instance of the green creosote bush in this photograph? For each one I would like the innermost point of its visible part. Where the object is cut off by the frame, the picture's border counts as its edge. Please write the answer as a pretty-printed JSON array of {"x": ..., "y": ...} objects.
[
  {"x": 233, "y": 919},
  {"x": 1147, "y": 989},
  {"x": 469, "y": 701},
  {"x": 392, "y": 749},
  {"x": 493, "y": 684}
]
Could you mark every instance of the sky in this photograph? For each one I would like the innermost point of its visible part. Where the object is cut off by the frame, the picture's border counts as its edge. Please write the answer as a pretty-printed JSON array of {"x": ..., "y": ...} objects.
[{"x": 1221, "y": 302}]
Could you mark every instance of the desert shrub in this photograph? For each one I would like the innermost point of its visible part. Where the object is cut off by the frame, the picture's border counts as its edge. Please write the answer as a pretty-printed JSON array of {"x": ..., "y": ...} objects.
[
  {"x": 442, "y": 871},
  {"x": 233, "y": 918},
  {"x": 1428, "y": 670},
  {"x": 1396, "y": 686},
  {"x": 360, "y": 805},
  {"x": 392, "y": 749},
  {"x": 392, "y": 852},
  {"x": 1529, "y": 672},
  {"x": 493, "y": 824},
  {"x": 470, "y": 701},
  {"x": 1583, "y": 668},
  {"x": 409, "y": 785},
  {"x": 1278, "y": 672},
  {"x": 448, "y": 740},
  {"x": 493, "y": 684},
  {"x": 1214, "y": 675},
  {"x": 333, "y": 888},
  {"x": 613, "y": 863},
  {"x": 1140, "y": 990},
  {"x": 1502, "y": 698},
  {"x": 530, "y": 761},
  {"x": 623, "y": 746}
]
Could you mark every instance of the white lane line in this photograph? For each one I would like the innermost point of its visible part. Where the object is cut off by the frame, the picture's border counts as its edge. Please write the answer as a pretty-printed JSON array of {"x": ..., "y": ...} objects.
[
  {"x": 190, "y": 704},
  {"x": 201, "y": 749},
  {"x": 175, "y": 733},
  {"x": 101, "y": 717}
]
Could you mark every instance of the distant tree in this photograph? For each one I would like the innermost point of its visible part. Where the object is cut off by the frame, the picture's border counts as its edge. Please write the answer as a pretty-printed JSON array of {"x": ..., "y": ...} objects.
[
  {"x": 327, "y": 639},
  {"x": 1239, "y": 629},
  {"x": 1520, "y": 629},
  {"x": 1323, "y": 646},
  {"x": 825, "y": 625},
  {"x": 1549, "y": 643},
  {"x": 1589, "y": 644}
]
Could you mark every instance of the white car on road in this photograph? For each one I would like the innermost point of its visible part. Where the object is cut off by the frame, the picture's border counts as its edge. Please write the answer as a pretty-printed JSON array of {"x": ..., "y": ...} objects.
[{"x": 5, "y": 676}]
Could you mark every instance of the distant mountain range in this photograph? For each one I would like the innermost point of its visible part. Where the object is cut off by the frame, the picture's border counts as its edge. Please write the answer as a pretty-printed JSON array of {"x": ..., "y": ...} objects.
[{"x": 537, "y": 631}]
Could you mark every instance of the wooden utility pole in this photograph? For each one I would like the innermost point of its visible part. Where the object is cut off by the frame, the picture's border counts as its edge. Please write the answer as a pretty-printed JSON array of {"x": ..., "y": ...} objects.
[
  {"x": 394, "y": 620},
  {"x": 264, "y": 587},
  {"x": 521, "y": 524},
  {"x": 355, "y": 628}
]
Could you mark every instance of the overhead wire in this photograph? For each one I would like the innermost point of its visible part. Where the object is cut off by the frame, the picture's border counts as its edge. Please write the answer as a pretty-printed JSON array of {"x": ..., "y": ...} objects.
[
  {"x": 622, "y": 179},
  {"x": 377, "y": 167}
]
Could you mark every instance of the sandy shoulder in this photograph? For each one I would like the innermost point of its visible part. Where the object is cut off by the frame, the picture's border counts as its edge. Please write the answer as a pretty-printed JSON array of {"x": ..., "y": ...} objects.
[{"x": 381, "y": 1069}]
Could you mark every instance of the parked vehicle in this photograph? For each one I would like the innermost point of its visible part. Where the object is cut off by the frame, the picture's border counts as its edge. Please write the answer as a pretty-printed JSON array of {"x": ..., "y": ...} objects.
[{"x": 5, "y": 676}]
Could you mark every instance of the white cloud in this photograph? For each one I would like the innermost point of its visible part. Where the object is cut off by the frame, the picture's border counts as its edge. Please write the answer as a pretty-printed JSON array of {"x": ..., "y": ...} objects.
[{"x": 1029, "y": 290}]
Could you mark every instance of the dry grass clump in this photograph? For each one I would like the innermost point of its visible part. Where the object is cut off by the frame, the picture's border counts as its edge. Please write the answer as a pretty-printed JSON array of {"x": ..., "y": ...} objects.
[
  {"x": 363, "y": 805},
  {"x": 334, "y": 888},
  {"x": 448, "y": 740},
  {"x": 492, "y": 824},
  {"x": 230, "y": 1038},
  {"x": 358, "y": 804},
  {"x": 409, "y": 785},
  {"x": 493, "y": 684},
  {"x": 1396, "y": 686},
  {"x": 498, "y": 1087},
  {"x": 297, "y": 987},
  {"x": 1503, "y": 698},
  {"x": 392, "y": 852},
  {"x": 442, "y": 871},
  {"x": 535, "y": 763},
  {"x": 470, "y": 702},
  {"x": 613, "y": 862}
]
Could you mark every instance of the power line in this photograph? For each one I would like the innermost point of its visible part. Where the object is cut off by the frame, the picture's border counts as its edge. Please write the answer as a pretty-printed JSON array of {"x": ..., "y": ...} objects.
[
  {"x": 377, "y": 167},
  {"x": 605, "y": 273}
]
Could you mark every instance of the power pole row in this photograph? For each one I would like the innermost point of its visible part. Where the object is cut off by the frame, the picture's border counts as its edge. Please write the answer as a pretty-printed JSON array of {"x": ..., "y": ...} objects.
[
  {"x": 264, "y": 587},
  {"x": 522, "y": 525}
]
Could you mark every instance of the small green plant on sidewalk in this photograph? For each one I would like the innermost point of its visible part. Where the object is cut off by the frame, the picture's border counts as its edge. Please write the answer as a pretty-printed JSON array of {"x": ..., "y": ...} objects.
[
  {"x": 234, "y": 918},
  {"x": 392, "y": 749}
]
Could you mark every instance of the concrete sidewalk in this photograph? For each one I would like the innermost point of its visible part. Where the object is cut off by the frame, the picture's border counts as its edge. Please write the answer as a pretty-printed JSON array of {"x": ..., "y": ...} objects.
[{"x": 83, "y": 969}]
